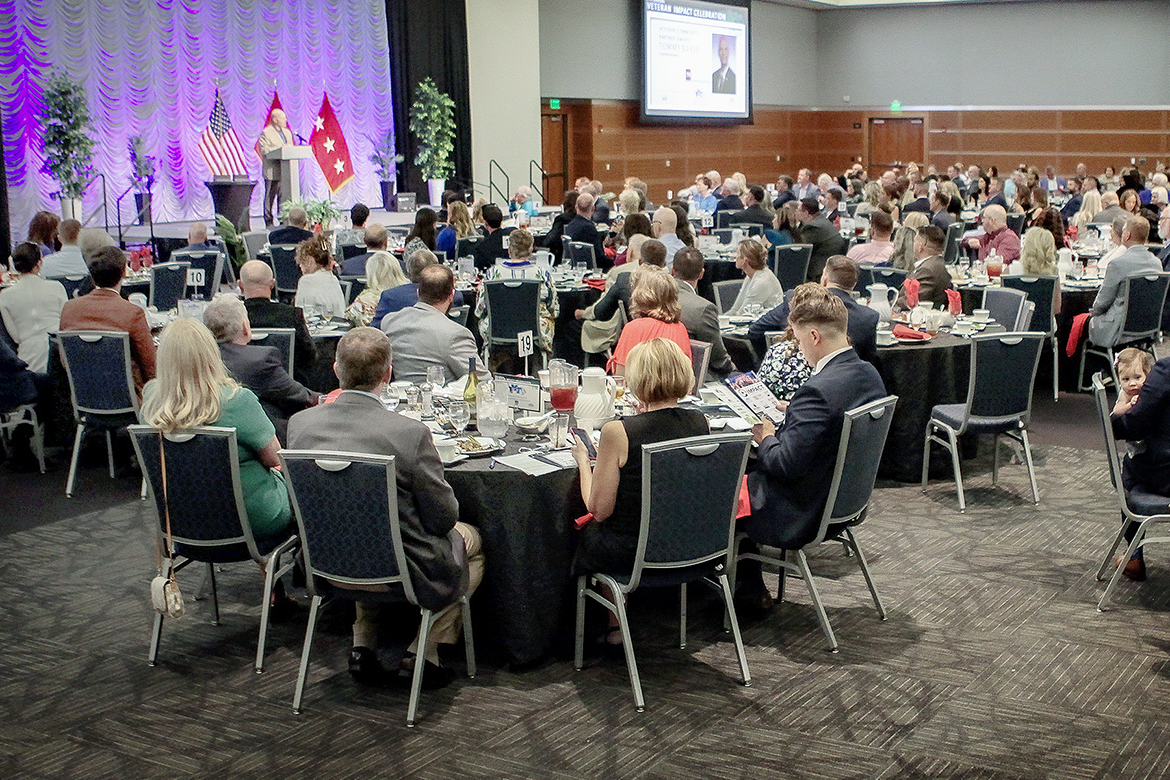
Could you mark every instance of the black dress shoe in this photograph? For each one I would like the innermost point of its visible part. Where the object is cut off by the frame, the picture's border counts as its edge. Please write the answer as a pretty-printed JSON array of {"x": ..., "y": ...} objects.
[
  {"x": 754, "y": 604},
  {"x": 365, "y": 669},
  {"x": 434, "y": 676}
]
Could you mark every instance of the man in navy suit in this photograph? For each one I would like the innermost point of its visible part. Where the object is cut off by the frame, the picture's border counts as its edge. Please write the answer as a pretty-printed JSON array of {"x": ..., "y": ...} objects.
[
  {"x": 995, "y": 194},
  {"x": 294, "y": 232},
  {"x": 794, "y": 468},
  {"x": 406, "y": 295}
]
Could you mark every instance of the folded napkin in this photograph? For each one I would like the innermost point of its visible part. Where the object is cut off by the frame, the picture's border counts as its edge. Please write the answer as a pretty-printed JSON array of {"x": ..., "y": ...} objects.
[
  {"x": 955, "y": 302},
  {"x": 1074, "y": 335},
  {"x": 584, "y": 520},
  {"x": 910, "y": 287},
  {"x": 902, "y": 332},
  {"x": 744, "y": 508},
  {"x": 596, "y": 284}
]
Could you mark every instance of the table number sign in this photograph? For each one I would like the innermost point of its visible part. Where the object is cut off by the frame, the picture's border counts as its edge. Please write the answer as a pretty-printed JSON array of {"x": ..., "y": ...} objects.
[
  {"x": 524, "y": 343},
  {"x": 521, "y": 392},
  {"x": 196, "y": 277}
]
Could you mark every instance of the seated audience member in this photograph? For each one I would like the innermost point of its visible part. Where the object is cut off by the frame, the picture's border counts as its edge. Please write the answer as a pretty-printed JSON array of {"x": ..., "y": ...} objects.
[
  {"x": 424, "y": 233},
  {"x": 703, "y": 200},
  {"x": 1105, "y": 315},
  {"x": 600, "y": 206},
  {"x": 423, "y": 335},
  {"x": 820, "y": 232},
  {"x": 664, "y": 226},
  {"x": 376, "y": 239},
  {"x": 406, "y": 295},
  {"x": 69, "y": 261},
  {"x": 1038, "y": 258},
  {"x": 42, "y": 231},
  {"x": 519, "y": 265},
  {"x": 197, "y": 237},
  {"x": 784, "y": 192},
  {"x": 491, "y": 248},
  {"x": 919, "y": 200},
  {"x": 1116, "y": 230},
  {"x": 1073, "y": 204},
  {"x": 260, "y": 369},
  {"x": 995, "y": 194},
  {"x": 730, "y": 200},
  {"x": 784, "y": 230},
  {"x": 795, "y": 463},
  {"x": 583, "y": 229},
  {"x": 761, "y": 287},
  {"x": 18, "y": 384},
  {"x": 753, "y": 212},
  {"x": 1140, "y": 416},
  {"x": 446, "y": 556},
  {"x": 1090, "y": 206},
  {"x": 1110, "y": 208},
  {"x": 1163, "y": 253},
  {"x": 929, "y": 270},
  {"x": 870, "y": 199},
  {"x": 294, "y": 232},
  {"x": 1050, "y": 220},
  {"x": 522, "y": 201},
  {"x": 996, "y": 236},
  {"x": 831, "y": 211},
  {"x": 682, "y": 228},
  {"x": 633, "y": 225},
  {"x": 318, "y": 291},
  {"x": 658, "y": 373},
  {"x": 699, "y": 315},
  {"x": 105, "y": 309},
  {"x": 598, "y": 332},
  {"x": 880, "y": 246},
  {"x": 656, "y": 314},
  {"x": 940, "y": 216},
  {"x": 383, "y": 272},
  {"x": 552, "y": 239},
  {"x": 256, "y": 285},
  {"x": 839, "y": 277},
  {"x": 1129, "y": 201},
  {"x": 31, "y": 308},
  {"x": 458, "y": 226},
  {"x": 356, "y": 235},
  {"x": 193, "y": 388}
]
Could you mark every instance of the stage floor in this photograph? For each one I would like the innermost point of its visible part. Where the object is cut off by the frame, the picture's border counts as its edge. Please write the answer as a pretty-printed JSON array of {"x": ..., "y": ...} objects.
[{"x": 140, "y": 234}]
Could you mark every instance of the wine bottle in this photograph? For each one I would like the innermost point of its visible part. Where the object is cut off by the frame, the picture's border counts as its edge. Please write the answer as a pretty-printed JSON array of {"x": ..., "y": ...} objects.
[{"x": 471, "y": 391}]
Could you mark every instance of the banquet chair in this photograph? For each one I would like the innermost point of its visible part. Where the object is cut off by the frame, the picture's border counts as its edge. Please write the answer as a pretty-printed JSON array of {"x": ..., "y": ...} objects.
[
  {"x": 24, "y": 414},
  {"x": 1016, "y": 223},
  {"x": 889, "y": 276},
  {"x": 1145, "y": 295},
  {"x": 1005, "y": 305},
  {"x": 254, "y": 241},
  {"x": 168, "y": 285},
  {"x": 205, "y": 264},
  {"x": 1145, "y": 510},
  {"x": 201, "y": 492},
  {"x": 700, "y": 359},
  {"x": 790, "y": 264},
  {"x": 346, "y": 508},
  {"x": 513, "y": 306},
  {"x": 285, "y": 270},
  {"x": 722, "y": 235},
  {"x": 1041, "y": 291},
  {"x": 72, "y": 284},
  {"x": 747, "y": 229},
  {"x": 101, "y": 387},
  {"x": 459, "y": 314},
  {"x": 723, "y": 219},
  {"x": 859, "y": 453},
  {"x": 999, "y": 402},
  {"x": 352, "y": 286},
  {"x": 1024, "y": 323},
  {"x": 690, "y": 494},
  {"x": 351, "y": 250},
  {"x": 954, "y": 234},
  {"x": 726, "y": 293},
  {"x": 284, "y": 339},
  {"x": 465, "y": 247},
  {"x": 580, "y": 253}
]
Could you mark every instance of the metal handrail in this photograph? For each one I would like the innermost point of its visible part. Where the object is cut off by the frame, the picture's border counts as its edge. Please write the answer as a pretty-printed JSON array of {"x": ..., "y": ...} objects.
[
  {"x": 543, "y": 176},
  {"x": 492, "y": 183}
]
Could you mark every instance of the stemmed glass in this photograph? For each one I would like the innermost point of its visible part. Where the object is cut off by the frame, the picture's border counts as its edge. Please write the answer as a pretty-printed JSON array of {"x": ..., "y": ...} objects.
[{"x": 459, "y": 414}]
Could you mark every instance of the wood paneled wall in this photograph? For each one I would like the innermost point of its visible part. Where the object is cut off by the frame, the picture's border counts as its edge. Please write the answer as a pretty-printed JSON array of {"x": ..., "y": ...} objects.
[{"x": 608, "y": 143}]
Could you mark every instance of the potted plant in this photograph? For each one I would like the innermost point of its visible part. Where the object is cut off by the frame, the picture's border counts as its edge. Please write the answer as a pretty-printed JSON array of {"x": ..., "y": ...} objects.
[
  {"x": 65, "y": 126},
  {"x": 141, "y": 175},
  {"x": 432, "y": 120},
  {"x": 321, "y": 213},
  {"x": 385, "y": 160}
]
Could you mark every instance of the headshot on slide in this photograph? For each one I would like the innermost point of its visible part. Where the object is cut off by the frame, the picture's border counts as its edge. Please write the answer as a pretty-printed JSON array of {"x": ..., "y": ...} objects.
[{"x": 723, "y": 79}]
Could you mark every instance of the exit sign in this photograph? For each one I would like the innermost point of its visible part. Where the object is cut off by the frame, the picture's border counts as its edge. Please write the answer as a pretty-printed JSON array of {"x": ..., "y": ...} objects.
[{"x": 554, "y": 104}]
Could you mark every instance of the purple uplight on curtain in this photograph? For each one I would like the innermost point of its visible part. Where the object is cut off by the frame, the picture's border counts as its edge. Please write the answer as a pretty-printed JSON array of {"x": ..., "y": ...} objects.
[{"x": 152, "y": 69}]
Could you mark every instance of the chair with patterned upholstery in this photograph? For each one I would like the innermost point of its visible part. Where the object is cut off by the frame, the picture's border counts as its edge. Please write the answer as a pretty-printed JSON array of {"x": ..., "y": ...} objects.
[
  {"x": 346, "y": 506},
  {"x": 284, "y": 339},
  {"x": 690, "y": 493},
  {"x": 790, "y": 264},
  {"x": 194, "y": 477},
  {"x": 1041, "y": 292},
  {"x": 285, "y": 270},
  {"x": 859, "y": 453},
  {"x": 168, "y": 285}
]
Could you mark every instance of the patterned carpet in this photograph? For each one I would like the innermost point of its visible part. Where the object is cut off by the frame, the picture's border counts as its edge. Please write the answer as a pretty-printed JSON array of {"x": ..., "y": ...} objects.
[{"x": 993, "y": 664}]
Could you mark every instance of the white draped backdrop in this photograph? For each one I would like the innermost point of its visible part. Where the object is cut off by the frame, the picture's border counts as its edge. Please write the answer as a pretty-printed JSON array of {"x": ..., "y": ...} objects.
[{"x": 152, "y": 69}]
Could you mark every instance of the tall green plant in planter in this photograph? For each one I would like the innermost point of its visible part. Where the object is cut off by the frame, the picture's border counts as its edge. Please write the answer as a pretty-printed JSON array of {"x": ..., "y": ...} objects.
[
  {"x": 432, "y": 120},
  {"x": 385, "y": 159},
  {"x": 65, "y": 133}
]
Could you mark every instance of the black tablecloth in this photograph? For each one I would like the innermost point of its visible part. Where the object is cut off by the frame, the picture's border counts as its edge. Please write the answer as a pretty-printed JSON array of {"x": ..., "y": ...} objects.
[
  {"x": 716, "y": 271},
  {"x": 526, "y": 523}
]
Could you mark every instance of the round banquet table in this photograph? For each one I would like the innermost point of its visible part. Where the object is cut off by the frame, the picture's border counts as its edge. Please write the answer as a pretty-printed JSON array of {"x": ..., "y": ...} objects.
[{"x": 525, "y": 600}]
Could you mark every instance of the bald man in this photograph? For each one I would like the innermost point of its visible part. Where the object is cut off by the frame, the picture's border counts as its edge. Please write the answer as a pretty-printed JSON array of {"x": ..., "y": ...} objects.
[
  {"x": 996, "y": 235},
  {"x": 197, "y": 237},
  {"x": 664, "y": 226},
  {"x": 275, "y": 135},
  {"x": 1110, "y": 210},
  {"x": 256, "y": 285},
  {"x": 582, "y": 228}
]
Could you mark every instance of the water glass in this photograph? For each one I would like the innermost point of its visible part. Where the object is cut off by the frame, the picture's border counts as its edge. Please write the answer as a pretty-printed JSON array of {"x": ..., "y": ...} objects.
[
  {"x": 389, "y": 397},
  {"x": 459, "y": 414},
  {"x": 492, "y": 417}
]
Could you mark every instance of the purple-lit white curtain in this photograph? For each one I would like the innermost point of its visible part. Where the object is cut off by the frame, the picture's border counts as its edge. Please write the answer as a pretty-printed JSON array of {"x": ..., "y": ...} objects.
[{"x": 152, "y": 69}]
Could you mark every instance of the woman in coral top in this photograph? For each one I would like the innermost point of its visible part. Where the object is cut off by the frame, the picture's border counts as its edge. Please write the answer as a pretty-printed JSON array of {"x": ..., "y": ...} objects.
[{"x": 655, "y": 308}]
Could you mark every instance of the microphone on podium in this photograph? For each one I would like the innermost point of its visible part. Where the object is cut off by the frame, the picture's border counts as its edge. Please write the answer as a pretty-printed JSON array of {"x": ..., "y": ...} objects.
[{"x": 301, "y": 138}]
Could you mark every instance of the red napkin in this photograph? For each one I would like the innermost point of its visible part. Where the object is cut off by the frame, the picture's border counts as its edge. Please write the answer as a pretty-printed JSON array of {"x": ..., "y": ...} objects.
[
  {"x": 332, "y": 396},
  {"x": 583, "y": 520},
  {"x": 596, "y": 284},
  {"x": 902, "y": 332},
  {"x": 745, "y": 505},
  {"x": 1074, "y": 334},
  {"x": 910, "y": 287},
  {"x": 955, "y": 302}
]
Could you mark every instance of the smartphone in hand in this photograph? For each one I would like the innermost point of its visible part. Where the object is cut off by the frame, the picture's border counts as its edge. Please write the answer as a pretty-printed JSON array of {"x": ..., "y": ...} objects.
[{"x": 585, "y": 440}]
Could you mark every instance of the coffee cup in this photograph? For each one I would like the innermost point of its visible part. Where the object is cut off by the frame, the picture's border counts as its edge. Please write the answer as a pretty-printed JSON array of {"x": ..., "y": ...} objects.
[
  {"x": 448, "y": 449},
  {"x": 543, "y": 376},
  {"x": 885, "y": 336},
  {"x": 962, "y": 328},
  {"x": 981, "y": 315}
]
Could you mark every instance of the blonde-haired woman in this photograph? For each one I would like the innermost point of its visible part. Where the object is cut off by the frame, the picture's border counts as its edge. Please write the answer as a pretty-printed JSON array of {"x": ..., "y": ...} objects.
[
  {"x": 903, "y": 257},
  {"x": 761, "y": 285},
  {"x": 655, "y": 308},
  {"x": 318, "y": 291},
  {"x": 1090, "y": 207},
  {"x": 458, "y": 226},
  {"x": 193, "y": 388},
  {"x": 383, "y": 271},
  {"x": 1038, "y": 258},
  {"x": 658, "y": 373}
]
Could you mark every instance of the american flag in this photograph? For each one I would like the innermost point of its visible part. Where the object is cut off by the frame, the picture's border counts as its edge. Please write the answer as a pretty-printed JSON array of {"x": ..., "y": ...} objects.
[{"x": 220, "y": 146}]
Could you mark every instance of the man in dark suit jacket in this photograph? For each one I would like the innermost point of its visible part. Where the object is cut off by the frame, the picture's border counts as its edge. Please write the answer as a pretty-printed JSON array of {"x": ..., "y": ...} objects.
[
  {"x": 582, "y": 228},
  {"x": 723, "y": 79},
  {"x": 995, "y": 194},
  {"x": 784, "y": 192},
  {"x": 790, "y": 485},
  {"x": 495, "y": 243},
  {"x": 921, "y": 202},
  {"x": 840, "y": 277},
  {"x": 940, "y": 216},
  {"x": 294, "y": 232},
  {"x": 753, "y": 212},
  {"x": 730, "y": 200},
  {"x": 820, "y": 232},
  {"x": 600, "y": 207},
  {"x": 444, "y": 556},
  {"x": 931, "y": 272},
  {"x": 406, "y": 295},
  {"x": 258, "y": 368},
  {"x": 698, "y": 314},
  {"x": 376, "y": 238},
  {"x": 256, "y": 285}
]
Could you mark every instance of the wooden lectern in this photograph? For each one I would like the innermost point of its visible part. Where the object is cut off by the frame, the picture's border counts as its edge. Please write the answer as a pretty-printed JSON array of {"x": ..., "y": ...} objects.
[{"x": 290, "y": 172}]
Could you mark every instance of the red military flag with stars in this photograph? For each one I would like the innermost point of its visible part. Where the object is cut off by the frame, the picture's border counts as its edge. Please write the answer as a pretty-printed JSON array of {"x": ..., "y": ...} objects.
[{"x": 329, "y": 147}]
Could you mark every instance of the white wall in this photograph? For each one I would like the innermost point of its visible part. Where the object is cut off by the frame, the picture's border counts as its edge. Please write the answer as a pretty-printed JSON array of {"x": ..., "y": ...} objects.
[
  {"x": 1066, "y": 53},
  {"x": 505, "y": 95}
]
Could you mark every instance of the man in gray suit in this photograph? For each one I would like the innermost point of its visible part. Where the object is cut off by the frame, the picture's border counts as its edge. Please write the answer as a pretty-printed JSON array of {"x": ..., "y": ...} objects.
[
  {"x": 929, "y": 271},
  {"x": 423, "y": 335},
  {"x": 258, "y": 368},
  {"x": 1105, "y": 316},
  {"x": 444, "y": 556},
  {"x": 1110, "y": 208},
  {"x": 698, "y": 314}
]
